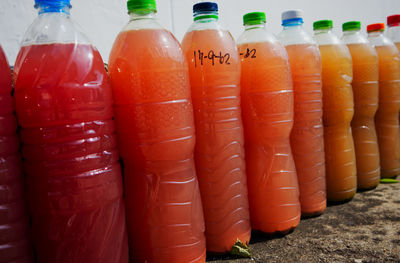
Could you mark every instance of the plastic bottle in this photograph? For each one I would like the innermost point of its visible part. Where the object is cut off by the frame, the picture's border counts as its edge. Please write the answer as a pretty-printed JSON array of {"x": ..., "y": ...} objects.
[
  {"x": 267, "y": 104},
  {"x": 366, "y": 97},
  {"x": 393, "y": 23},
  {"x": 387, "y": 116},
  {"x": 214, "y": 69},
  {"x": 14, "y": 242},
  {"x": 338, "y": 111},
  {"x": 155, "y": 125},
  {"x": 307, "y": 137},
  {"x": 64, "y": 107}
]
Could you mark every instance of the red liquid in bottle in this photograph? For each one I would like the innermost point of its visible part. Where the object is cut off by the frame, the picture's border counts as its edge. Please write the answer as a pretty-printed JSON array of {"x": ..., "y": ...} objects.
[
  {"x": 14, "y": 243},
  {"x": 64, "y": 107}
]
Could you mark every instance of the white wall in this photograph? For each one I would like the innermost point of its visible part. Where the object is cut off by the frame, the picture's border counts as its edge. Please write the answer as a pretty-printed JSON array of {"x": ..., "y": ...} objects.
[{"x": 103, "y": 19}]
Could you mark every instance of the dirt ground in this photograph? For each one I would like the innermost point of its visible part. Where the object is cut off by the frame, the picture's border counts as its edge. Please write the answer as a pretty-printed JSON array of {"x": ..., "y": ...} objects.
[{"x": 366, "y": 229}]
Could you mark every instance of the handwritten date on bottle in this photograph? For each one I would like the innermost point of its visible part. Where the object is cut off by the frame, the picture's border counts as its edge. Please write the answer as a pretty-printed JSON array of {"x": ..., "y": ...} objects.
[
  {"x": 214, "y": 58},
  {"x": 250, "y": 53}
]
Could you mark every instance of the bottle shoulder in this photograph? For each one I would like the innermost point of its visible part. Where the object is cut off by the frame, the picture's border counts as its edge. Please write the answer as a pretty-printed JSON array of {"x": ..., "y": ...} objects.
[
  {"x": 51, "y": 28},
  {"x": 206, "y": 25},
  {"x": 377, "y": 39},
  {"x": 394, "y": 33},
  {"x": 256, "y": 35},
  {"x": 295, "y": 36},
  {"x": 142, "y": 23},
  {"x": 327, "y": 38},
  {"x": 213, "y": 39},
  {"x": 354, "y": 38}
]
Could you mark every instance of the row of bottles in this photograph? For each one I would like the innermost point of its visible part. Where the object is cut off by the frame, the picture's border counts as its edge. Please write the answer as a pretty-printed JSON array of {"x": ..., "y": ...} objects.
[{"x": 215, "y": 137}]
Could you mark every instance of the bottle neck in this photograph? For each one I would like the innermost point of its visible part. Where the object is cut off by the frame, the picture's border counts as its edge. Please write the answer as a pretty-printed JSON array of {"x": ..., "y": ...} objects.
[
  {"x": 142, "y": 15},
  {"x": 205, "y": 17},
  {"x": 250, "y": 27},
  {"x": 375, "y": 33},
  {"x": 62, "y": 9},
  {"x": 293, "y": 26},
  {"x": 351, "y": 32},
  {"x": 292, "y": 22},
  {"x": 323, "y": 31}
]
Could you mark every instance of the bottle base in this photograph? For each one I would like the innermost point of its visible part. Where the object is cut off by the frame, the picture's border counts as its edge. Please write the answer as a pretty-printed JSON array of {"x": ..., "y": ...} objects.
[
  {"x": 218, "y": 250},
  {"x": 305, "y": 215},
  {"x": 389, "y": 176},
  {"x": 276, "y": 234},
  {"x": 367, "y": 188},
  {"x": 339, "y": 202}
]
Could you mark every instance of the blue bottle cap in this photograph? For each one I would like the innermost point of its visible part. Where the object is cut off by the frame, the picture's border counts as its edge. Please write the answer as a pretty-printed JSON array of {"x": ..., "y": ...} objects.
[
  {"x": 53, "y": 5},
  {"x": 292, "y": 17},
  {"x": 205, "y": 7}
]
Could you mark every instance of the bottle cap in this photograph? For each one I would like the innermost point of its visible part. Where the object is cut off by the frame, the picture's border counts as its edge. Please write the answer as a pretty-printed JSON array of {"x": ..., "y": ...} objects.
[
  {"x": 351, "y": 26},
  {"x": 292, "y": 16},
  {"x": 323, "y": 24},
  {"x": 205, "y": 7},
  {"x": 393, "y": 20},
  {"x": 53, "y": 5},
  {"x": 376, "y": 27},
  {"x": 142, "y": 5},
  {"x": 254, "y": 18}
]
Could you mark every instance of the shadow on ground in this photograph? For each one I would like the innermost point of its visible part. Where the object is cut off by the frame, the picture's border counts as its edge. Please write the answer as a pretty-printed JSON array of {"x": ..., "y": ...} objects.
[{"x": 365, "y": 229}]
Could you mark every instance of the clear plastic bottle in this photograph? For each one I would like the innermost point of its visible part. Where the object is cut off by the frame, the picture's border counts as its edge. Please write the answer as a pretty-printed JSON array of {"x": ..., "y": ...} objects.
[
  {"x": 393, "y": 23},
  {"x": 366, "y": 97},
  {"x": 65, "y": 110},
  {"x": 267, "y": 105},
  {"x": 387, "y": 116},
  {"x": 338, "y": 111},
  {"x": 307, "y": 137},
  {"x": 214, "y": 69},
  {"x": 15, "y": 245},
  {"x": 155, "y": 125}
]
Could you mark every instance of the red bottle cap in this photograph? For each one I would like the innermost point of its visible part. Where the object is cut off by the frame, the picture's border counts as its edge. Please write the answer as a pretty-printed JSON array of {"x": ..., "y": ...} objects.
[
  {"x": 376, "y": 27},
  {"x": 393, "y": 20}
]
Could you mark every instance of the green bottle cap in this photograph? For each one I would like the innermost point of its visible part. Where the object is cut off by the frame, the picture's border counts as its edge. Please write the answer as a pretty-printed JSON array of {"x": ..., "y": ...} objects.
[
  {"x": 351, "y": 26},
  {"x": 323, "y": 24},
  {"x": 142, "y": 6},
  {"x": 254, "y": 18}
]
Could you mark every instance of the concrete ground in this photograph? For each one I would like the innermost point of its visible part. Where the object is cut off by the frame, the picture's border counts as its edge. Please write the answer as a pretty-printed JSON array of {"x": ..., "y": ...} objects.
[{"x": 366, "y": 229}]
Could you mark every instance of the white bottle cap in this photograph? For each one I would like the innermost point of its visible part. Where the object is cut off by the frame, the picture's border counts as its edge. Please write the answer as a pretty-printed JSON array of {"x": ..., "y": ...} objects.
[{"x": 291, "y": 14}]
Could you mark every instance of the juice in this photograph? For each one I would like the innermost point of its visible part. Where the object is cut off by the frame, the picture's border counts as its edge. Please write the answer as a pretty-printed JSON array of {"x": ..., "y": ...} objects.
[
  {"x": 267, "y": 104},
  {"x": 366, "y": 91},
  {"x": 219, "y": 151},
  {"x": 387, "y": 116},
  {"x": 155, "y": 126},
  {"x": 338, "y": 108},
  {"x": 14, "y": 241},
  {"x": 64, "y": 108},
  {"x": 307, "y": 137}
]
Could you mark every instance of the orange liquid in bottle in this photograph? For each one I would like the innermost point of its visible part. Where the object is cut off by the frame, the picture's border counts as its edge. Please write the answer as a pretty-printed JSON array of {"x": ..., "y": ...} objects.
[
  {"x": 267, "y": 104},
  {"x": 387, "y": 117},
  {"x": 219, "y": 151},
  {"x": 307, "y": 137},
  {"x": 14, "y": 241},
  {"x": 155, "y": 126},
  {"x": 398, "y": 46},
  {"x": 338, "y": 108},
  {"x": 366, "y": 92}
]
